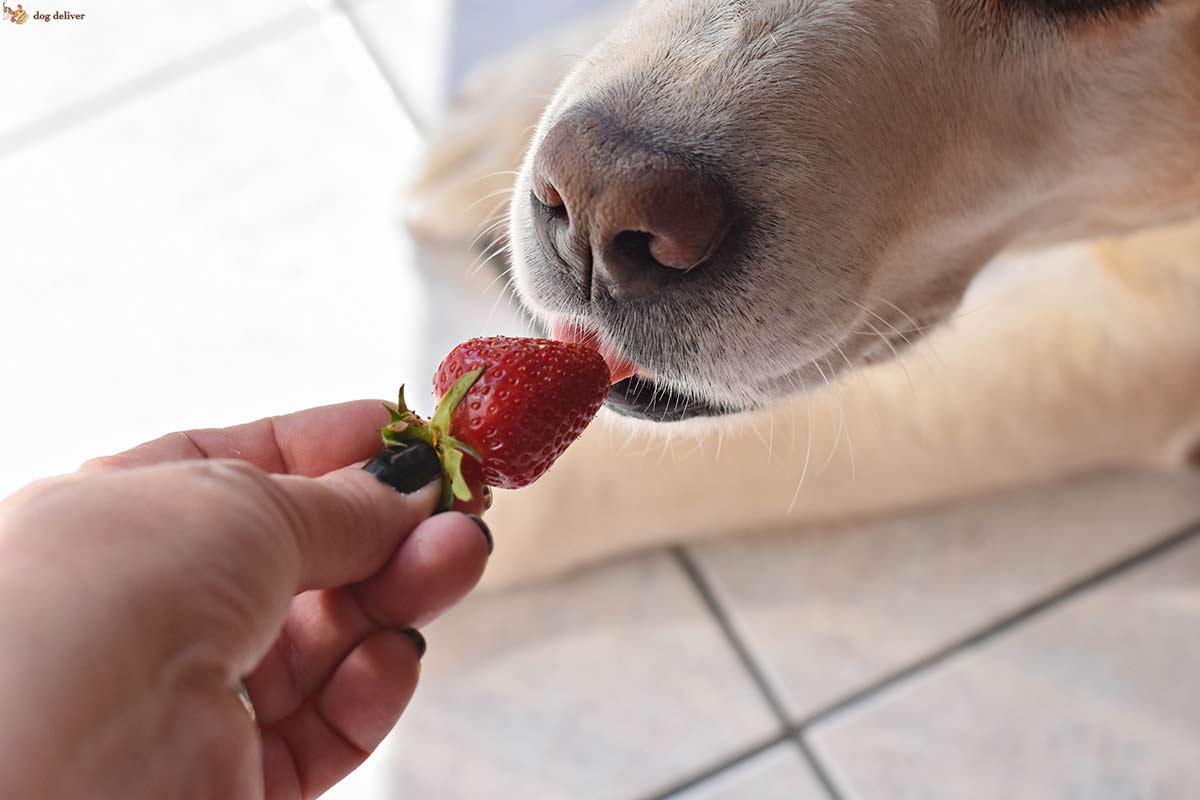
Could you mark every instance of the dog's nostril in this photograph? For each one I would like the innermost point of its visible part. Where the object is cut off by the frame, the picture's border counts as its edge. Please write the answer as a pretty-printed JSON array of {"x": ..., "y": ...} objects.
[
  {"x": 638, "y": 217},
  {"x": 551, "y": 206},
  {"x": 1192, "y": 459},
  {"x": 545, "y": 195},
  {"x": 633, "y": 247},
  {"x": 551, "y": 197}
]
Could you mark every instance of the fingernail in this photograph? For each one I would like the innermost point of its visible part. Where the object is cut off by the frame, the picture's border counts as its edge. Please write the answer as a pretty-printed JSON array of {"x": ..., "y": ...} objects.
[
  {"x": 417, "y": 639},
  {"x": 487, "y": 532},
  {"x": 487, "y": 497},
  {"x": 406, "y": 469}
]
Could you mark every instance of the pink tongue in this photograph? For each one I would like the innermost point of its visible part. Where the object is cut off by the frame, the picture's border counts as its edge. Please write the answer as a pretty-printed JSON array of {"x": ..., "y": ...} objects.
[{"x": 619, "y": 367}]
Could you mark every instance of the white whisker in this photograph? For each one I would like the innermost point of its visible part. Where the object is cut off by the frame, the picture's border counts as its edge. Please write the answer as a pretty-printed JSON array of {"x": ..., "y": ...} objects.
[
  {"x": 807, "y": 450},
  {"x": 490, "y": 228},
  {"x": 896, "y": 331},
  {"x": 485, "y": 257},
  {"x": 506, "y": 191},
  {"x": 895, "y": 354},
  {"x": 843, "y": 426},
  {"x": 497, "y": 174}
]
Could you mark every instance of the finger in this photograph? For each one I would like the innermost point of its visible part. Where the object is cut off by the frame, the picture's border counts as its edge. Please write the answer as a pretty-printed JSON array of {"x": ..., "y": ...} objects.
[
  {"x": 312, "y": 534},
  {"x": 237, "y": 544},
  {"x": 346, "y": 525},
  {"x": 310, "y": 442},
  {"x": 438, "y": 564},
  {"x": 338, "y": 728}
]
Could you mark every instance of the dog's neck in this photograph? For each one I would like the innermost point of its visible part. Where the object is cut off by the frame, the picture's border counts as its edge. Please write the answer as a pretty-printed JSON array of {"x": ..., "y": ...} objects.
[
  {"x": 1122, "y": 144},
  {"x": 1127, "y": 132},
  {"x": 1100, "y": 137}
]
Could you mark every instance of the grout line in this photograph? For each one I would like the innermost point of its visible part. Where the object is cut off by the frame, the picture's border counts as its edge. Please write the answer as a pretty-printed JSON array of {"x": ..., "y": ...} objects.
[
  {"x": 702, "y": 586},
  {"x": 54, "y": 122},
  {"x": 704, "y": 589},
  {"x": 343, "y": 7},
  {"x": 797, "y": 733},
  {"x": 740, "y": 757},
  {"x": 817, "y": 766},
  {"x": 998, "y": 628}
]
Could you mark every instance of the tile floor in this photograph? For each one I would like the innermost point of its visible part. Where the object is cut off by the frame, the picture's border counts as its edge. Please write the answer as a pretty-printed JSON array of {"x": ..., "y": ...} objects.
[{"x": 199, "y": 218}]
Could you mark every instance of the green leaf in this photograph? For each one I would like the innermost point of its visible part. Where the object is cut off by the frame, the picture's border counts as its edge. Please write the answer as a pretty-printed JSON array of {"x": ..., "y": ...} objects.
[
  {"x": 401, "y": 412},
  {"x": 445, "y": 408},
  {"x": 457, "y": 484},
  {"x": 418, "y": 432},
  {"x": 450, "y": 442},
  {"x": 404, "y": 426},
  {"x": 447, "y": 501}
]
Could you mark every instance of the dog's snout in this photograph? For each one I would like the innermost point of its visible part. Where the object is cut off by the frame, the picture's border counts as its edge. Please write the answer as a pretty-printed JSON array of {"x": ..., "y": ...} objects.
[{"x": 627, "y": 216}]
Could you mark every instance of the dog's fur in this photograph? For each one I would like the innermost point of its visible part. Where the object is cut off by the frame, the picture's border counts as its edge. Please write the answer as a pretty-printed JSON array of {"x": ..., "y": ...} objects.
[{"x": 880, "y": 155}]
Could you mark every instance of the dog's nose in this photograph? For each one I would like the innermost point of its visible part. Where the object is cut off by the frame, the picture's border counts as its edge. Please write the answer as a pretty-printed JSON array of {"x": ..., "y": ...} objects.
[{"x": 626, "y": 216}]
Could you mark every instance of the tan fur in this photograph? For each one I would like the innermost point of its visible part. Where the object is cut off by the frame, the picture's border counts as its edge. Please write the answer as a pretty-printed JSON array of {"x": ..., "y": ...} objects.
[
  {"x": 1059, "y": 361},
  {"x": 1073, "y": 360}
]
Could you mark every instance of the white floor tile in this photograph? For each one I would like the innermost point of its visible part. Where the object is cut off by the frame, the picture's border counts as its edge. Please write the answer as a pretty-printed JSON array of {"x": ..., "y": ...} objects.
[
  {"x": 1097, "y": 699},
  {"x": 51, "y": 66},
  {"x": 778, "y": 774},
  {"x": 219, "y": 249},
  {"x": 430, "y": 49},
  {"x": 829, "y": 611},
  {"x": 612, "y": 685},
  {"x": 412, "y": 42}
]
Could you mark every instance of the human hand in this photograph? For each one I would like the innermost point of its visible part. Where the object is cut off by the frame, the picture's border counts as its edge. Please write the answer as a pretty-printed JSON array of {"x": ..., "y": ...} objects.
[{"x": 135, "y": 593}]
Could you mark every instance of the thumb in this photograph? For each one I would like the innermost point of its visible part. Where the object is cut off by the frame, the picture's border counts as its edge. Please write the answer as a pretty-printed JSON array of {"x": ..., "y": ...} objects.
[
  {"x": 279, "y": 535},
  {"x": 204, "y": 556}
]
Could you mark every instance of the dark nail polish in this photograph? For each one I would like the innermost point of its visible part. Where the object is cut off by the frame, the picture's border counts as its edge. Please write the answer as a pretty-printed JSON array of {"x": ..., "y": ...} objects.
[
  {"x": 406, "y": 469},
  {"x": 487, "y": 497},
  {"x": 417, "y": 639},
  {"x": 487, "y": 532}
]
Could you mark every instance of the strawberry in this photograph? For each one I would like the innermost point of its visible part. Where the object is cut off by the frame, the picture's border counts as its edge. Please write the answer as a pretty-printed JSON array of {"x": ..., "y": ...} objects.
[
  {"x": 532, "y": 400},
  {"x": 512, "y": 405}
]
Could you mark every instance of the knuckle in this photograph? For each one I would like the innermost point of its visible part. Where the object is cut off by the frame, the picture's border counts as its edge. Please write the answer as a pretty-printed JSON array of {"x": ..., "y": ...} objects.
[
  {"x": 42, "y": 497},
  {"x": 261, "y": 512},
  {"x": 230, "y": 480},
  {"x": 23, "y": 502},
  {"x": 101, "y": 463}
]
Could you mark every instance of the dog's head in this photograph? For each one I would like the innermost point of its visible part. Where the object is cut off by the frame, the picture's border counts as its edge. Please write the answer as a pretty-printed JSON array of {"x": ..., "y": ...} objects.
[{"x": 747, "y": 198}]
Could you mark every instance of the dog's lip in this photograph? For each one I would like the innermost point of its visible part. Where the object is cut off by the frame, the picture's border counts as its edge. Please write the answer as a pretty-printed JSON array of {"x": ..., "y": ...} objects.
[
  {"x": 620, "y": 366},
  {"x": 634, "y": 392},
  {"x": 644, "y": 399}
]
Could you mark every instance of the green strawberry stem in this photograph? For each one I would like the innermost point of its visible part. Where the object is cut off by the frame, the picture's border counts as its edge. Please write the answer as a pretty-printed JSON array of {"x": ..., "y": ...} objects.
[{"x": 405, "y": 427}]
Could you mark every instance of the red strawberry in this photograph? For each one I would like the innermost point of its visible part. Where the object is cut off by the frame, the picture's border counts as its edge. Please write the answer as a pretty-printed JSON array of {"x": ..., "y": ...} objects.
[
  {"x": 512, "y": 405},
  {"x": 533, "y": 399}
]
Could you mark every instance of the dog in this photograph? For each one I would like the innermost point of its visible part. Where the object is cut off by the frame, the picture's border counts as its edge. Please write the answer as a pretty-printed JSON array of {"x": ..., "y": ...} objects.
[{"x": 866, "y": 256}]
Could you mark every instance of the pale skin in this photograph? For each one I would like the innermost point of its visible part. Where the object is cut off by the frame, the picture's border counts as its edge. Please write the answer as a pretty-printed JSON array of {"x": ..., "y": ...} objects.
[{"x": 136, "y": 592}]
